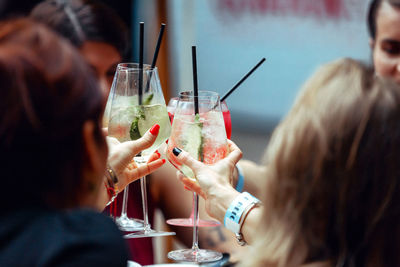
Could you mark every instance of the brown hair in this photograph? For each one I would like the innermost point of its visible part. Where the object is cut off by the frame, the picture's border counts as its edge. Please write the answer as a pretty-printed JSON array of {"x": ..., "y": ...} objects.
[
  {"x": 83, "y": 20},
  {"x": 334, "y": 164},
  {"x": 47, "y": 93}
]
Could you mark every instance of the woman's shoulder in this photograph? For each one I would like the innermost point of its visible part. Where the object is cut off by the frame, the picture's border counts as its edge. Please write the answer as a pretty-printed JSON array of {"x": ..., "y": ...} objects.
[
  {"x": 92, "y": 237},
  {"x": 71, "y": 238}
]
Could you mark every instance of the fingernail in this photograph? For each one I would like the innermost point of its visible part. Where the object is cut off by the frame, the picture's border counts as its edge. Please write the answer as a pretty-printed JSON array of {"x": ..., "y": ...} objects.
[
  {"x": 154, "y": 130},
  {"x": 166, "y": 141},
  {"x": 163, "y": 161},
  {"x": 158, "y": 154},
  {"x": 176, "y": 151}
]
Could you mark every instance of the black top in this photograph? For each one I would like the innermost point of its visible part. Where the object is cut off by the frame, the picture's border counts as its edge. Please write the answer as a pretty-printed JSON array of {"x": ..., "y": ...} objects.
[{"x": 55, "y": 238}]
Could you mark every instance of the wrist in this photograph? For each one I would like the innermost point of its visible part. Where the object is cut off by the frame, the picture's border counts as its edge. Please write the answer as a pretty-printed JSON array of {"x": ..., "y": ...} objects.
[
  {"x": 219, "y": 200},
  {"x": 237, "y": 212},
  {"x": 111, "y": 181}
]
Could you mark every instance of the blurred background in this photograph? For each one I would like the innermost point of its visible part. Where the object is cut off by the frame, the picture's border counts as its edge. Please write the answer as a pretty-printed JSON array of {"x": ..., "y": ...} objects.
[{"x": 295, "y": 36}]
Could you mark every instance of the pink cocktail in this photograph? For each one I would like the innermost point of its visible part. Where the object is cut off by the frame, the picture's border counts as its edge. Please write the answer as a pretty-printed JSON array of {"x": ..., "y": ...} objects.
[
  {"x": 199, "y": 129},
  {"x": 188, "y": 222},
  {"x": 224, "y": 108}
]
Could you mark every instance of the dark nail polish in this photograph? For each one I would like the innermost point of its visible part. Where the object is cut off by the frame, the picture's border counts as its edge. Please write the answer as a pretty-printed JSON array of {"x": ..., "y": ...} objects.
[{"x": 176, "y": 151}]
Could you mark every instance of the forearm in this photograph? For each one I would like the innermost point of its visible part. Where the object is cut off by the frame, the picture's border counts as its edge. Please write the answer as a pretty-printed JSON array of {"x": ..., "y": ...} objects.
[
  {"x": 220, "y": 201},
  {"x": 218, "y": 238},
  {"x": 250, "y": 224},
  {"x": 253, "y": 174}
]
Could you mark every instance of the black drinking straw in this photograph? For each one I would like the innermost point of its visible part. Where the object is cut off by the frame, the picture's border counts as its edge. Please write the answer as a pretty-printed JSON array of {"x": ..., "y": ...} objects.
[
  {"x": 153, "y": 64},
  {"x": 195, "y": 84},
  {"x": 141, "y": 62},
  {"x": 243, "y": 79}
]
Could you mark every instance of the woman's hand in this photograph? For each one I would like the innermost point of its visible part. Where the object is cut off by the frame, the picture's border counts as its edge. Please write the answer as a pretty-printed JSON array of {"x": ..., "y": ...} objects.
[
  {"x": 214, "y": 182},
  {"x": 121, "y": 157}
]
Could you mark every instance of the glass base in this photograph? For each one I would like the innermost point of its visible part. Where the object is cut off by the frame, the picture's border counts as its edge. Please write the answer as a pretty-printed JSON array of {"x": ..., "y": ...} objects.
[
  {"x": 129, "y": 225},
  {"x": 199, "y": 255},
  {"x": 148, "y": 233},
  {"x": 188, "y": 222}
]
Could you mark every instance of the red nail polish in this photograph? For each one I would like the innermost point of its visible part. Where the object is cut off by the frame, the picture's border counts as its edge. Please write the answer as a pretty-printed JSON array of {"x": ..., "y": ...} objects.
[
  {"x": 166, "y": 141},
  {"x": 163, "y": 161},
  {"x": 158, "y": 154},
  {"x": 154, "y": 130}
]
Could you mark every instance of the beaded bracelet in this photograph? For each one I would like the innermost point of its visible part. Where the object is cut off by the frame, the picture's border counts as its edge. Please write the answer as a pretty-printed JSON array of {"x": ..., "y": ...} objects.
[
  {"x": 111, "y": 184},
  {"x": 237, "y": 212}
]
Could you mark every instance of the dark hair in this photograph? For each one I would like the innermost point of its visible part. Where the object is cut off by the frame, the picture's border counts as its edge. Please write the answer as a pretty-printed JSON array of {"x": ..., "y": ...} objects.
[
  {"x": 333, "y": 183},
  {"x": 47, "y": 93},
  {"x": 372, "y": 14},
  {"x": 83, "y": 20}
]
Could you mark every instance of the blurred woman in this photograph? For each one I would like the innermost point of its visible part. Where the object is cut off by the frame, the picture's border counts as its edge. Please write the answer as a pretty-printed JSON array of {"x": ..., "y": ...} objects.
[
  {"x": 87, "y": 23},
  {"x": 95, "y": 29},
  {"x": 102, "y": 39},
  {"x": 331, "y": 192},
  {"x": 384, "y": 30},
  {"x": 53, "y": 155}
]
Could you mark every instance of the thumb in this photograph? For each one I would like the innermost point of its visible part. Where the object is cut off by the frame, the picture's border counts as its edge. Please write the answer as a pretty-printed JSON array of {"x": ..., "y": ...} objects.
[
  {"x": 235, "y": 153},
  {"x": 182, "y": 157},
  {"x": 146, "y": 141}
]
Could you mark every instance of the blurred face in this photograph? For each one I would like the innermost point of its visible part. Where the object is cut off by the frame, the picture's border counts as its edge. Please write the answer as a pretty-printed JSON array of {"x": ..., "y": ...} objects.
[
  {"x": 103, "y": 58},
  {"x": 386, "y": 46}
]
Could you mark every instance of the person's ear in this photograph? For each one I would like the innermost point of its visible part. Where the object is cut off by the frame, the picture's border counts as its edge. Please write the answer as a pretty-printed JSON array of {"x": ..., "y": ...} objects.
[{"x": 95, "y": 157}]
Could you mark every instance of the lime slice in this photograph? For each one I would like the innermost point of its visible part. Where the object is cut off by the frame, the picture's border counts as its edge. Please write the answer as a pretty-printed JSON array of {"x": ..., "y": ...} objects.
[
  {"x": 148, "y": 99},
  {"x": 150, "y": 114},
  {"x": 194, "y": 139},
  {"x": 193, "y": 144},
  {"x": 134, "y": 130}
]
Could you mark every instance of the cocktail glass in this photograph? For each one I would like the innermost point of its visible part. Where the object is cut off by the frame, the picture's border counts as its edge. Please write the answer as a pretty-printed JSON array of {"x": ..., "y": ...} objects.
[
  {"x": 137, "y": 103},
  {"x": 188, "y": 222},
  {"x": 203, "y": 136}
]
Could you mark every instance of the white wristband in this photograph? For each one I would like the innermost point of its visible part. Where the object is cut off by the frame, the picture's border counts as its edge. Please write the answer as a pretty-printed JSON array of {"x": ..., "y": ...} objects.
[{"x": 238, "y": 210}]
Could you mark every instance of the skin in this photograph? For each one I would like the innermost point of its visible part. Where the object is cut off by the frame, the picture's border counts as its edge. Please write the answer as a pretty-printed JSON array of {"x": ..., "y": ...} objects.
[
  {"x": 386, "y": 46},
  {"x": 118, "y": 155},
  {"x": 103, "y": 58},
  {"x": 214, "y": 185},
  {"x": 163, "y": 185}
]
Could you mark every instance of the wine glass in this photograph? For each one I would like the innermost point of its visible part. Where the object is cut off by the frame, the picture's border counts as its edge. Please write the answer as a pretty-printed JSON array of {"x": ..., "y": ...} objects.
[
  {"x": 227, "y": 119},
  {"x": 203, "y": 136},
  {"x": 137, "y": 103},
  {"x": 188, "y": 222}
]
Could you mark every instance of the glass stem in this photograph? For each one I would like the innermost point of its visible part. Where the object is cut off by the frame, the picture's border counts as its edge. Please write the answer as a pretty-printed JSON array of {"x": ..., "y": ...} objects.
[
  {"x": 144, "y": 203},
  {"x": 125, "y": 202},
  {"x": 195, "y": 245},
  {"x": 192, "y": 212}
]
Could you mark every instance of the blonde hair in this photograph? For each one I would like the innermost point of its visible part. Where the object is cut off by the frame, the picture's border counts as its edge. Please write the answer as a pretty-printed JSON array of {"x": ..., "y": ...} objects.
[{"x": 332, "y": 192}]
